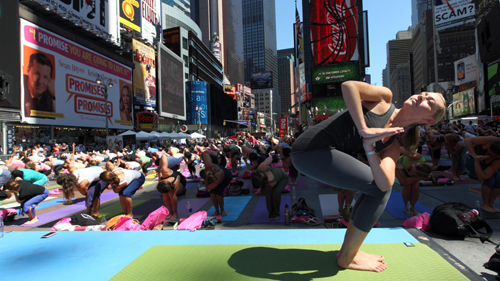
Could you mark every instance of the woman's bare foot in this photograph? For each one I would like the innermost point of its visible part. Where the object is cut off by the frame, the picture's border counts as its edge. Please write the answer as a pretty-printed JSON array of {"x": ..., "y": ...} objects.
[
  {"x": 168, "y": 217},
  {"x": 415, "y": 212},
  {"x": 173, "y": 217},
  {"x": 361, "y": 262},
  {"x": 223, "y": 214},
  {"x": 488, "y": 209},
  {"x": 67, "y": 202},
  {"x": 456, "y": 179},
  {"x": 375, "y": 257},
  {"x": 215, "y": 214},
  {"x": 495, "y": 209},
  {"x": 32, "y": 221}
]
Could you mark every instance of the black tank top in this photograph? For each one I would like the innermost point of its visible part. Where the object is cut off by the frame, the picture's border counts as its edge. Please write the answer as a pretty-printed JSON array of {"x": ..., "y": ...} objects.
[{"x": 340, "y": 132}]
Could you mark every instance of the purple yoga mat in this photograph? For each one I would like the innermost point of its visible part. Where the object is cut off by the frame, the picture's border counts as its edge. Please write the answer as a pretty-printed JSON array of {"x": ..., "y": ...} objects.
[
  {"x": 260, "y": 213},
  {"x": 196, "y": 204},
  {"x": 63, "y": 212}
]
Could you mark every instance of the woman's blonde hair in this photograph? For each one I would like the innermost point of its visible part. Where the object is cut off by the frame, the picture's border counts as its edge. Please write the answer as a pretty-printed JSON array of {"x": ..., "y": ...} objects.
[{"x": 411, "y": 136}]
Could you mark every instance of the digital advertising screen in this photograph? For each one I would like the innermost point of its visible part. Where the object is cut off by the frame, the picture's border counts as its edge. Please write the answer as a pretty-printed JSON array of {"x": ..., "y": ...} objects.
[
  {"x": 493, "y": 79},
  {"x": 334, "y": 31},
  {"x": 144, "y": 74},
  {"x": 197, "y": 110},
  {"x": 261, "y": 80},
  {"x": 59, "y": 83},
  {"x": 172, "y": 98},
  {"x": 335, "y": 73},
  {"x": 464, "y": 103}
]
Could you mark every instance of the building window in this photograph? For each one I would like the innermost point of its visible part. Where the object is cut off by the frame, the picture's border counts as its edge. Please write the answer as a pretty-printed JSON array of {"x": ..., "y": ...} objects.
[
  {"x": 184, "y": 43},
  {"x": 185, "y": 60}
]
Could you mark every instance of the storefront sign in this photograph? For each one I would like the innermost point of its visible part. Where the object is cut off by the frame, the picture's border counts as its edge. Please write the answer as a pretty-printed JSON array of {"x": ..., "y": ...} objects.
[
  {"x": 59, "y": 83},
  {"x": 144, "y": 74},
  {"x": 283, "y": 126},
  {"x": 146, "y": 120}
]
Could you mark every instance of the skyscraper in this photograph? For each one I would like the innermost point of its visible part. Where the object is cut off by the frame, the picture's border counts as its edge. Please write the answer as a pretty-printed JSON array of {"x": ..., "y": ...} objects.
[
  {"x": 234, "y": 66},
  {"x": 259, "y": 39},
  {"x": 286, "y": 77}
]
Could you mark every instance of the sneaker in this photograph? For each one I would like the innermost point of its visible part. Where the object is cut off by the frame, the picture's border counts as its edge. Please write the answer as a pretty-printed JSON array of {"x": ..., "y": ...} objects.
[{"x": 346, "y": 213}]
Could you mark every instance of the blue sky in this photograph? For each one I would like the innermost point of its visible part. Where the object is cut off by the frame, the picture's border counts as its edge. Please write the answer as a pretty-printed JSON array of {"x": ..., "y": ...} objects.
[{"x": 385, "y": 19}]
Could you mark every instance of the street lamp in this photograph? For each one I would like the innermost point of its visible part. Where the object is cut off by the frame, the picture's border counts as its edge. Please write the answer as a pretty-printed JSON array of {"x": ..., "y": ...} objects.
[{"x": 105, "y": 82}]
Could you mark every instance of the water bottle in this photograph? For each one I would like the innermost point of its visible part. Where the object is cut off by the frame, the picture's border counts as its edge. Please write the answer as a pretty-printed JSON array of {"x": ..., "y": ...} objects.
[
  {"x": 189, "y": 209},
  {"x": 103, "y": 220},
  {"x": 478, "y": 206},
  {"x": 1, "y": 227},
  {"x": 465, "y": 217},
  {"x": 409, "y": 208},
  {"x": 294, "y": 194},
  {"x": 287, "y": 215}
]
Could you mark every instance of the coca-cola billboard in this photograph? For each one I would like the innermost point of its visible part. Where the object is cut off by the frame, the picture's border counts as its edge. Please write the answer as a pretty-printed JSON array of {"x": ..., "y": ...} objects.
[{"x": 334, "y": 31}]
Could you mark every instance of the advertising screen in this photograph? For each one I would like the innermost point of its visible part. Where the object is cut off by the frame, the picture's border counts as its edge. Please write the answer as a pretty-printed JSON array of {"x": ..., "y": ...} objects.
[
  {"x": 464, "y": 103},
  {"x": 151, "y": 20},
  {"x": 335, "y": 73},
  {"x": 59, "y": 83},
  {"x": 450, "y": 13},
  {"x": 261, "y": 80},
  {"x": 130, "y": 15},
  {"x": 171, "y": 39},
  {"x": 334, "y": 31},
  {"x": 144, "y": 74},
  {"x": 197, "y": 111},
  {"x": 465, "y": 70},
  {"x": 493, "y": 79},
  {"x": 172, "y": 97},
  {"x": 283, "y": 126},
  {"x": 327, "y": 100},
  {"x": 101, "y": 15}
]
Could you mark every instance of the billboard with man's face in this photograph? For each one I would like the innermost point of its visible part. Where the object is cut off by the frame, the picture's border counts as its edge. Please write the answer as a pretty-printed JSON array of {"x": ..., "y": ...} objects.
[{"x": 59, "y": 83}]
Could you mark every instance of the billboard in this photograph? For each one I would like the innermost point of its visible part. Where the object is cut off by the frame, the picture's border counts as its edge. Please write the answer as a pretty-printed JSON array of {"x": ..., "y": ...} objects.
[
  {"x": 493, "y": 79},
  {"x": 99, "y": 15},
  {"x": 335, "y": 73},
  {"x": 334, "y": 31},
  {"x": 130, "y": 15},
  {"x": 172, "y": 98},
  {"x": 465, "y": 70},
  {"x": 197, "y": 109},
  {"x": 450, "y": 13},
  {"x": 151, "y": 20},
  {"x": 59, "y": 83},
  {"x": 144, "y": 74},
  {"x": 283, "y": 126},
  {"x": 172, "y": 39},
  {"x": 464, "y": 103},
  {"x": 261, "y": 80}
]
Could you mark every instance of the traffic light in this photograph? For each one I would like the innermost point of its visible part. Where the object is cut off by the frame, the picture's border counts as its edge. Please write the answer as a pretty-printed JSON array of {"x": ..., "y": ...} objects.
[{"x": 224, "y": 124}]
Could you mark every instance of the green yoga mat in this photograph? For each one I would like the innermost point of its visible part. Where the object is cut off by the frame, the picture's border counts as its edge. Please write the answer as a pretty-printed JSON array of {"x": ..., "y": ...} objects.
[
  {"x": 116, "y": 208},
  {"x": 282, "y": 262}
]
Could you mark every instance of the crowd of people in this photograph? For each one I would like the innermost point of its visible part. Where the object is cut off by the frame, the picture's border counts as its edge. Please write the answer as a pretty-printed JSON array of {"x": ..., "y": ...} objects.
[{"x": 364, "y": 149}]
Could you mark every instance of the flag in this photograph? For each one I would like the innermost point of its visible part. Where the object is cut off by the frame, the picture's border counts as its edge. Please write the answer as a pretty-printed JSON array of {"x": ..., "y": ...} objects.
[{"x": 297, "y": 25}]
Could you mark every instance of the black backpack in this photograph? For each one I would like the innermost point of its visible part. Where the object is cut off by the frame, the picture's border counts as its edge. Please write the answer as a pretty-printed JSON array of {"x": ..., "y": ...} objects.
[{"x": 445, "y": 221}]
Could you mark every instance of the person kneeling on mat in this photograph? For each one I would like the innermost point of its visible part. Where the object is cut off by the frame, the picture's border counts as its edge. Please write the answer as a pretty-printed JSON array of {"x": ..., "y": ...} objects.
[
  {"x": 216, "y": 178},
  {"x": 272, "y": 181}
]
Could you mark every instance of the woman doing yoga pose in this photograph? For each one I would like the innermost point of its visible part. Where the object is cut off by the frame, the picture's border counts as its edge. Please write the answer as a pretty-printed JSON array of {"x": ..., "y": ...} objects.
[{"x": 371, "y": 123}]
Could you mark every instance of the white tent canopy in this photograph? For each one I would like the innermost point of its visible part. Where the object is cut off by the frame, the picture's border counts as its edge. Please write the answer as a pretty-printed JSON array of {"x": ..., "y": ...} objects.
[
  {"x": 175, "y": 135},
  {"x": 127, "y": 133},
  {"x": 165, "y": 135},
  {"x": 197, "y": 136},
  {"x": 142, "y": 136}
]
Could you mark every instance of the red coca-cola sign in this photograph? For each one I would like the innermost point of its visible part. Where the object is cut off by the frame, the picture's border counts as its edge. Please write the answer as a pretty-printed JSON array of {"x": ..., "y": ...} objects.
[{"x": 334, "y": 31}]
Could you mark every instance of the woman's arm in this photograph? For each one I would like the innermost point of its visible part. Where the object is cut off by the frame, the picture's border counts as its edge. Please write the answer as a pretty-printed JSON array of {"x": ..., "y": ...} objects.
[
  {"x": 383, "y": 164},
  {"x": 470, "y": 142},
  {"x": 83, "y": 187},
  {"x": 266, "y": 164},
  {"x": 17, "y": 198},
  {"x": 109, "y": 166},
  {"x": 219, "y": 177},
  {"x": 354, "y": 92},
  {"x": 207, "y": 160},
  {"x": 404, "y": 180}
]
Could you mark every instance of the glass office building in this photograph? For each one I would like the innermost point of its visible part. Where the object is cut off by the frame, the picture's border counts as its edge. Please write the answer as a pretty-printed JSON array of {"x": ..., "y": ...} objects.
[
  {"x": 259, "y": 42},
  {"x": 234, "y": 67}
]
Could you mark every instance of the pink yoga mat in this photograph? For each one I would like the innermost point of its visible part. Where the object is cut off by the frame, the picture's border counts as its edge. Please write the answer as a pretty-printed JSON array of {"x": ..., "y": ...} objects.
[{"x": 260, "y": 213}]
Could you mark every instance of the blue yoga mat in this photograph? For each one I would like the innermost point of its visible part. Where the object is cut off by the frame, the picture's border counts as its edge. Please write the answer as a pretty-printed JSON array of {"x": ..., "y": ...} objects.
[
  {"x": 260, "y": 213},
  {"x": 233, "y": 207},
  {"x": 396, "y": 206}
]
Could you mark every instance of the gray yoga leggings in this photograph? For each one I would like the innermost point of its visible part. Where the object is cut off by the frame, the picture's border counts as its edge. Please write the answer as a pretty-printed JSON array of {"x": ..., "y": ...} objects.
[{"x": 341, "y": 170}]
